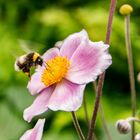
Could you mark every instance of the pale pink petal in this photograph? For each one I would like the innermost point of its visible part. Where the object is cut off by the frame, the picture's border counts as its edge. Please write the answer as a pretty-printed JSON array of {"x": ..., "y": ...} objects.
[
  {"x": 88, "y": 61},
  {"x": 39, "y": 105},
  {"x": 35, "y": 133},
  {"x": 35, "y": 85},
  {"x": 58, "y": 44},
  {"x": 98, "y": 44},
  {"x": 38, "y": 130},
  {"x": 51, "y": 53},
  {"x": 26, "y": 135},
  {"x": 67, "y": 96},
  {"x": 71, "y": 43}
]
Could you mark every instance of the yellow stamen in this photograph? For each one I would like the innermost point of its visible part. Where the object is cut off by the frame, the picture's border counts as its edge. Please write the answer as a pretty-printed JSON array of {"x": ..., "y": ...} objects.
[{"x": 55, "y": 70}]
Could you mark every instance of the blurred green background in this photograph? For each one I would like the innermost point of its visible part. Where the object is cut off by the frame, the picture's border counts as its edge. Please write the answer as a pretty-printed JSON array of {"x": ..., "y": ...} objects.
[{"x": 43, "y": 23}]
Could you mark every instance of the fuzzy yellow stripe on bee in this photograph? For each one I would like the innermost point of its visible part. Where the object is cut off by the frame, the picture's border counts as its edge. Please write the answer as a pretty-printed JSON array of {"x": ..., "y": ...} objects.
[
  {"x": 27, "y": 73},
  {"x": 35, "y": 56}
]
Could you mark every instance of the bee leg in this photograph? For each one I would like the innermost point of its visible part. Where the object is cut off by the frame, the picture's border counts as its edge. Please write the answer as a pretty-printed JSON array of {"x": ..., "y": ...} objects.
[
  {"x": 28, "y": 74},
  {"x": 26, "y": 71}
]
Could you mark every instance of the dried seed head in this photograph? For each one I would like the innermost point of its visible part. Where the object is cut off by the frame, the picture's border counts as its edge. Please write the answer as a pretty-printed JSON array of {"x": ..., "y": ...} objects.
[
  {"x": 137, "y": 137},
  {"x": 123, "y": 126},
  {"x": 126, "y": 9}
]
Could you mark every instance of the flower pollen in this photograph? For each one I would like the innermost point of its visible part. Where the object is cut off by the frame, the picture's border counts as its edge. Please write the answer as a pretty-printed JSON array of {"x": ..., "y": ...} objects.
[{"x": 56, "y": 69}]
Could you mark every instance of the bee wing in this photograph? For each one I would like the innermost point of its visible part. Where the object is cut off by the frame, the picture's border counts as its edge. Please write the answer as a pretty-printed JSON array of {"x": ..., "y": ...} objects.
[
  {"x": 29, "y": 46},
  {"x": 24, "y": 45}
]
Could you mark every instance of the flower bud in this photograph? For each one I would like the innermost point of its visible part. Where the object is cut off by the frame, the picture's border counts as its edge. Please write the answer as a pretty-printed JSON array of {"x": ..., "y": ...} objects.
[
  {"x": 126, "y": 9},
  {"x": 137, "y": 137},
  {"x": 138, "y": 77},
  {"x": 123, "y": 126}
]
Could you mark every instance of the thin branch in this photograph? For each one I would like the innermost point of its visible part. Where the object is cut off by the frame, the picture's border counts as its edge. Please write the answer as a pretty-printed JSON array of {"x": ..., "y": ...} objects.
[
  {"x": 86, "y": 115},
  {"x": 131, "y": 70},
  {"x": 102, "y": 115},
  {"x": 77, "y": 126},
  {"x": 85, "y": 110},
  {"x": 104, "y": 122},
  {"x": 96, "y": 106},
  {"x": 102, "y": 76}
]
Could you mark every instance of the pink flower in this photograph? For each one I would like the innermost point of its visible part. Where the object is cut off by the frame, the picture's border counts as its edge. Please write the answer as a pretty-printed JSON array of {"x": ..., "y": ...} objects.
[
  {"x": 60, "y": 82},
  {"x": 35, "y": 133}
]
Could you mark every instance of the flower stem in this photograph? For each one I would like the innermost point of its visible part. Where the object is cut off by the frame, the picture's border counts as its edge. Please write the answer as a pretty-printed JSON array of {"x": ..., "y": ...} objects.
[
  {"x": 102, "y": 115},
  {"x": 86, "y": 115},
  {"x": 77, "y": 126},
  {"x": 102, "y": 76},
  {"x": 96, "y": 106},
  {"x": 131, "y": 70},
  {"x": 85, "y": 110},
  {"x": 110, "y": 19},
  {"x": 104, "y": 122},
  {"x": 133, "y": 119}
]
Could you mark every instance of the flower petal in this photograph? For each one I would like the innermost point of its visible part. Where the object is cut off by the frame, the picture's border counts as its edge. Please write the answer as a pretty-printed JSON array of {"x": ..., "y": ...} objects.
[
  {"x": 58, "y": 44},
  {"x": 39, "y": 105},
  {"x": 51, "y": 53},
  {"x": 88, "y": 61},
  {"x": 71, "y": 43},
  {"x": 67, "y": 96},
  {"x": 98, "y": 44},
  {"x": 35, "y": 133},
  {"x": 35, "y": 85}
]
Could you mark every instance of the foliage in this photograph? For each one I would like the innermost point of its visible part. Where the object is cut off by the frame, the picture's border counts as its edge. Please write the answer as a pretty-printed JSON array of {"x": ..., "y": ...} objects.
[{"x": 46, "y": 22}]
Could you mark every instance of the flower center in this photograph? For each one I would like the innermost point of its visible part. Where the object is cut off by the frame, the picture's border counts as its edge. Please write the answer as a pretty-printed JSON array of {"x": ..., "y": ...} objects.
[{"x": 56, "y": 69}]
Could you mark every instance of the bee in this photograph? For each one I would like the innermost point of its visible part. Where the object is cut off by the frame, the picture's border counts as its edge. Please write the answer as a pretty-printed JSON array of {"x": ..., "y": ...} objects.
[
  {"x": 25, "y": 62},
  {"x": 31, "y": 58}
]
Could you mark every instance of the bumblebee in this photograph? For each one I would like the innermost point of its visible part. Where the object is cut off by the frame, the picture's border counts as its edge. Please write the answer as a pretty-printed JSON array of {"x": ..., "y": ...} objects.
[{"x": 25, "y": 62}]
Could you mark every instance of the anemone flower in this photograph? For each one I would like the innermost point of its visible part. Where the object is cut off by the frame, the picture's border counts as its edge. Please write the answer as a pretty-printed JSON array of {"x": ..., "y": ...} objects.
[
  {"x": 59, "y": 84},
  {"x": 35, "y": 133}
]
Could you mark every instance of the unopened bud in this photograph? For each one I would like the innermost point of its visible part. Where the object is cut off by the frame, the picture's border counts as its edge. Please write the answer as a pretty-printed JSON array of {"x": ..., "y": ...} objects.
[
  {"x": 126, "y": 9},
  {"x": 123, "y": 126},
  {"x": 138, "y": 77},
  {"x": 137, "y": 137}
]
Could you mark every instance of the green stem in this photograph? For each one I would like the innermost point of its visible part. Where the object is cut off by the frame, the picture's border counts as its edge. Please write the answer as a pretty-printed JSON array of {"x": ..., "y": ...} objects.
[
  {"x": 131, "y": 70},
  {"x": 96, "y": 106},
  {"x": 102, "y": 115},
  {"x": 85, "y": 110},
  {"x": 77, "y": 126},
  {"x": 86, "y": 115},
  {"x": 94, "y": 136},
  {"x": 104, "y": 122},
  {"x": 133, "y": 119},
  {"x": 102, "y": 76}
]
